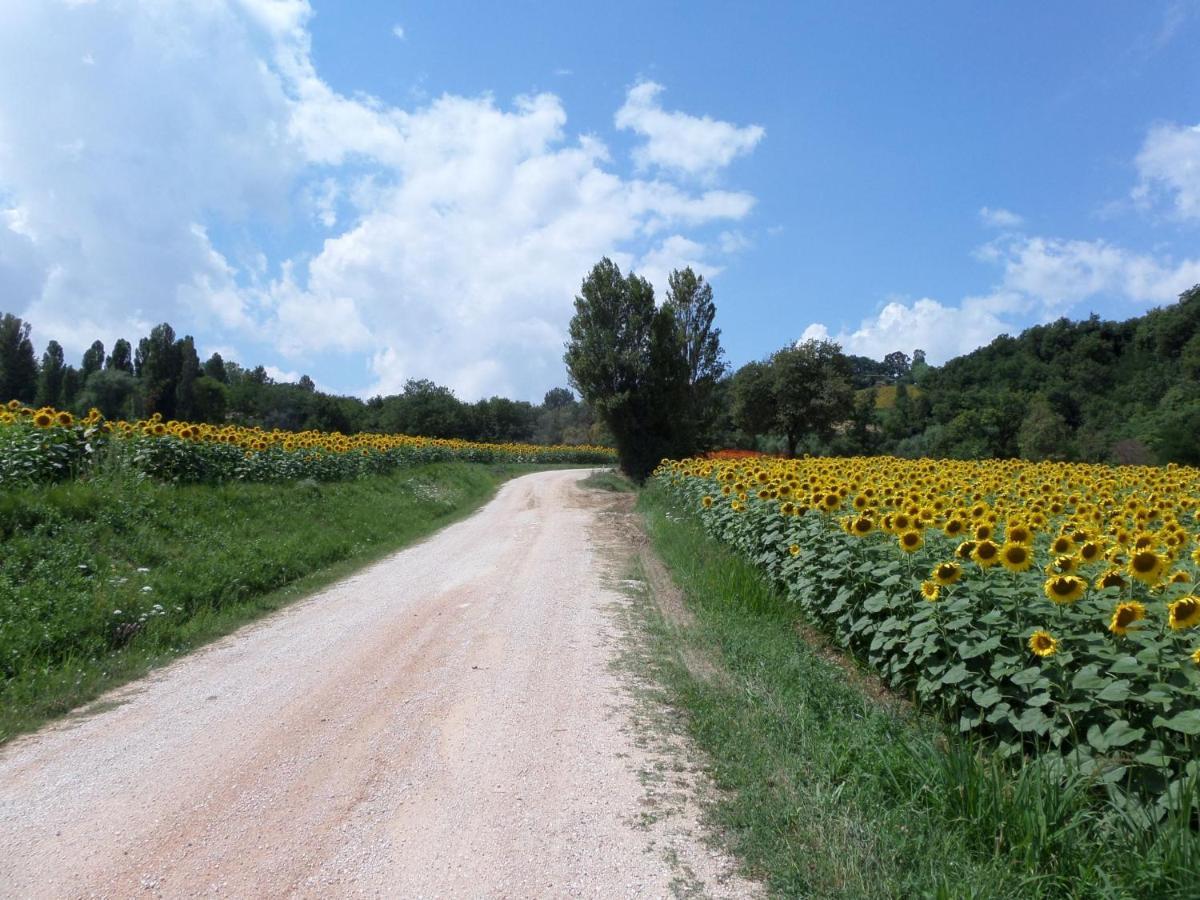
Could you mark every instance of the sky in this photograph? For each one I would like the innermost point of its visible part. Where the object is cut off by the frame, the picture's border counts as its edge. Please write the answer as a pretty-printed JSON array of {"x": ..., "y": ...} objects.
[{"x": 368, "y": 191}]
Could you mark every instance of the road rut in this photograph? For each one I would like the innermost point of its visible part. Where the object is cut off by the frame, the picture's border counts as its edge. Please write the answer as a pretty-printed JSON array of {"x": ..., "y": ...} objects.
[{"x": 447, "y": 722}]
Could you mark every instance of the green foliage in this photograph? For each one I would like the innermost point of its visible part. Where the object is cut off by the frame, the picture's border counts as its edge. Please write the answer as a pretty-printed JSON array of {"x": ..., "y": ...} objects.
[
  {"x": 18, "y": 366},
  {"x": 827, "y": 790},
  {"x": 628, "y": 361},
  {"x": 1078, "y": 389},
  {"x": 1120, "y": 711}
]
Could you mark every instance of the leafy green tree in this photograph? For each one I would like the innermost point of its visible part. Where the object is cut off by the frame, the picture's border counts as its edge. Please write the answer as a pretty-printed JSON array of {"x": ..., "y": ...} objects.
[
  {"x": 93, "y": 361},
  {"x": 214, "y": 368},
  {"x": 185, "y": 385},
  {"x": 427, "y": 409},
  {"x": 209, "y": 399},
  {"x": 157, "y": 364},
  {"x": 1044, "y": 434},
  {"x": 812, "y": 390},
  {"x": 121, "y": 358},
  {"x": 50, "y": 377},
  {"x": 72, "y": 381},
  {"x": 18, "y": 364},
  {"x": 112, "y": 391},
  {"x": 690, "y": 299},
  {"x": 627, "y": 360},
  {"x": 752, "y": 399}
]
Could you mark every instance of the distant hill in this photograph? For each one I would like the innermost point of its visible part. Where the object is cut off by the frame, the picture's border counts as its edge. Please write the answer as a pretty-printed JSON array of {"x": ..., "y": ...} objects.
[{"x": 1092, "y": 390}]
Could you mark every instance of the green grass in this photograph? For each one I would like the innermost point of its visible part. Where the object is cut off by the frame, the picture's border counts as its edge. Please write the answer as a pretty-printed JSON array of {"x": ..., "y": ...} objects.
[
  {"x": 831, "y": 788},
  {"x": 608, "y": 480},
  {"x": 102, "y": 580}
]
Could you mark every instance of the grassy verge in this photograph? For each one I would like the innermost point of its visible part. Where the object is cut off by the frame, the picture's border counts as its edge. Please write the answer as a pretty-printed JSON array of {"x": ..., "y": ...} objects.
[
  {"x": 608, "y": 480},
  {"x": 831, "y": 789},
  {"x": 101, "y": 581}
]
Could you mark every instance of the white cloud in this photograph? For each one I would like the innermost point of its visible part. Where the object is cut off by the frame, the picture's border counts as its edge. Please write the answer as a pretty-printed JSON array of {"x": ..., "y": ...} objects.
[
  {"x": 1000, "y": 218},
  {"x": 455, "y": 233},
  {"x": 1057, "y": 274},
  {"x": 941, "y": 331},
  {"x": 398, "y": 31},
  {"x": 675, "y": 252},
  {"x": 1042, "y": 278},
  {"x": 1169, "y": 167},
  {"x": 678, "y": 142}
]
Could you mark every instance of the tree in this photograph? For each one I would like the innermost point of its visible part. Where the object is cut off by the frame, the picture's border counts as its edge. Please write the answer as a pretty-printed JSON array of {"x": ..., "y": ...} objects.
[
  {"x": 626, "y": 358},
  {"x": 427, "y": 409},
  {"x": 214, "y": 368},
  {"x": 72, "y": 381},
  {"x": 93, "y": 360},
  {"x": 753, "y": 399},
  {"x": 112, "y": 391},
  {"x": 157, "y": 364},
  {"x": 121, "y": 358},
  {"x": 690, "y": 299},
  {"x": 18, "y": 365},
  {"x": 1044, "y": 433},
  {"x": 812, "y": 390},
  {"x": 897, "y": 365},
  {"x": 185, "y": 384},
  {"x": 50, "y": 378}
]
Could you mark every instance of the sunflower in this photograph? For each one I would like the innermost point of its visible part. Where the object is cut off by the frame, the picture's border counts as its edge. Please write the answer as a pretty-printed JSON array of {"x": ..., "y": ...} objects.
[
  {"x": 1062, "y": 545},
  {"x": 65, "y": 419},
  {"x": 1018, "y": 534},
  {"x": 1147, "y": 566},
  {"x": 1111, "y": 578},
  {"x": 983, "y": 532},
  {"x": 794, "y": 549},
  {"x": 986, "y": 554},
  {"x": 911, "y": 541},
  {"x": 1196, "y": 657},
  {"x": 43, "y": 419},
  {"x": 946, "y": 573},
  {"x": 1016, "y": 557},
  {"x": 1180, "y": 576},
  {"x": 965, "y": 549},
  {"x": 707, "y": 502},
  {"x": 1062, "y": 565},
  {"x": 862, "y": 526},
  {"x": 1043, "y": 643},
  {"x": 953, "y": 527},
  {"x": 1064, "y": 588},
  {"x": 1090, "y": 551},
  {"x": 930, "y": 590},
  {"x": 1125, "y": 615},
  {"x": 1184, "y": 613}
]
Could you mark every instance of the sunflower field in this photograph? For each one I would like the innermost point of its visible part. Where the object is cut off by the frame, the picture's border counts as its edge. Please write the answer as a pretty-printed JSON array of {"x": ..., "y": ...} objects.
[
  {"x": 44, "y": 445},
  {"x": 1049, "y": 608}
]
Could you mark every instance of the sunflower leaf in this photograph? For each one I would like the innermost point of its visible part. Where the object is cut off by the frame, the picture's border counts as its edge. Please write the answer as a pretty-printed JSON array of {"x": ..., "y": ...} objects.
[
  {"x": 1186, "y": 722},
  {"x": 1126, "y": 665}
]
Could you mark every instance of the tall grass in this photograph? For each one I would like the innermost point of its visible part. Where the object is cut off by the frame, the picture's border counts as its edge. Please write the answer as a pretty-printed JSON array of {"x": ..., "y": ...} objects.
[{"x": 833, "y": 788}]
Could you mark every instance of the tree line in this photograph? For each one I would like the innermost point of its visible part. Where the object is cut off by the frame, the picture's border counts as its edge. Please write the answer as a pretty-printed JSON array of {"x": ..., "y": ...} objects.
[
  {"x": 653, "y": 382},
  {"x": 163, "y": 374},
  {"x": 1126, "y": 392}
]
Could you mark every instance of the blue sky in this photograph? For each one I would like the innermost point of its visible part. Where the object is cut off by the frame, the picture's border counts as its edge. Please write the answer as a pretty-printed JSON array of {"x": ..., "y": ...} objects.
[{"x": 368, "y": 192}]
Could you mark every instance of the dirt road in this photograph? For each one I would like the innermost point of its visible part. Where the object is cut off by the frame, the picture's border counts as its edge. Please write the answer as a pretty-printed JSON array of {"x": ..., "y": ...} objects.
[{"x": 446, "y": 722}]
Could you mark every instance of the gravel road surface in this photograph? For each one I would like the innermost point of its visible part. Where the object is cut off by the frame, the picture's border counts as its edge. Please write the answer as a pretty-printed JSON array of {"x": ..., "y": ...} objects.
[{"x": 445, "y": 723}]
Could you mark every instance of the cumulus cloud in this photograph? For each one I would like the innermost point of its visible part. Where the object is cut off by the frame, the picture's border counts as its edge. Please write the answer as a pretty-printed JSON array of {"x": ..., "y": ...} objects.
[
  {"x": 1000, "y": 218},
  {"x": 678, "y": 142},
  {"x": 398, "y": 31},
  {"x": 1168, "y": 167},
  {"x": 941, "y": 331},
  {"x": 442, "y": 241},
  {"x": 1042, "y": 278}
]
